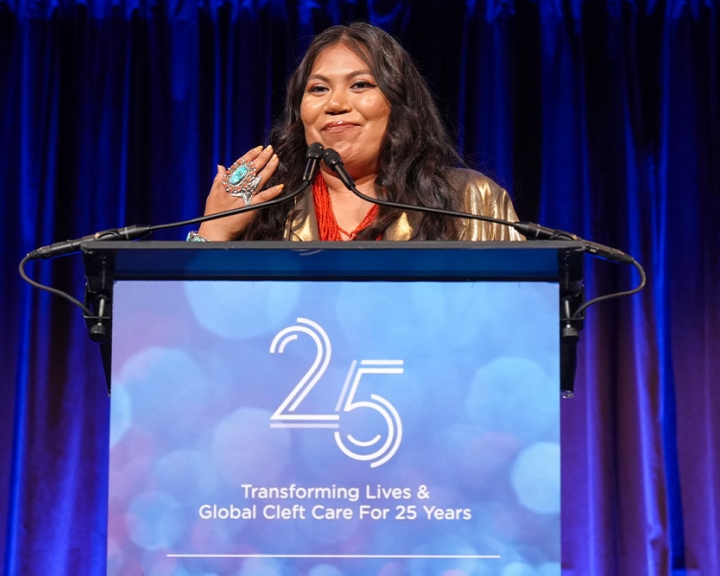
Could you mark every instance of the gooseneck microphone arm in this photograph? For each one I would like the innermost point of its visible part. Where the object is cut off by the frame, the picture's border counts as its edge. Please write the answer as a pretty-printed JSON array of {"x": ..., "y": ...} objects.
[
  {"x": 134, "y": 232},
  {"x": 312, "y": 161},
  {"x": 529, "y": 229}
]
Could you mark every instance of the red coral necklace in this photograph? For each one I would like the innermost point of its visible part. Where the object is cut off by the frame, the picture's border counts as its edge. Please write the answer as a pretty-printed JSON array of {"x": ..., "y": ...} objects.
[{"x": 327, "y": 223}]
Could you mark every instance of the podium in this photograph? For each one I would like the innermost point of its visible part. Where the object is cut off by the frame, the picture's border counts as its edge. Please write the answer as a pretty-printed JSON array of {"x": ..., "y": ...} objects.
[{"x": 330, "y": 409}]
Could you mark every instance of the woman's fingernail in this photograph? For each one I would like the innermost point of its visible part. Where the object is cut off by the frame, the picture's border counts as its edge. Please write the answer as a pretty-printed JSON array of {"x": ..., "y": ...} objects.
[
  {"x": 257, "y": 149},
  {"x": 281, "y": 186},
  {"x": 274, "y": 157},
  {"x": 220, "y": 168}
]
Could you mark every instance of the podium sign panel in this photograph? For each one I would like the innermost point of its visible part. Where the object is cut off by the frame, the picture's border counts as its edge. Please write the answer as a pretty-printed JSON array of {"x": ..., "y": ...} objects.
[{"x": 334, "y": 428}]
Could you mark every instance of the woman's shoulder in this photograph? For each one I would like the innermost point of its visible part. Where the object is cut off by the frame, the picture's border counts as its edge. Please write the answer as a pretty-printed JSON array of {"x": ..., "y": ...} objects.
[
  {"x": 475, "y": 182},
  {"x": 483, "y": 196}
]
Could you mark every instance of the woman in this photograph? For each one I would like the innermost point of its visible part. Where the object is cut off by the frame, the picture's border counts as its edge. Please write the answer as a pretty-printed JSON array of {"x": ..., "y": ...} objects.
[{"x": 357, "y": 91}]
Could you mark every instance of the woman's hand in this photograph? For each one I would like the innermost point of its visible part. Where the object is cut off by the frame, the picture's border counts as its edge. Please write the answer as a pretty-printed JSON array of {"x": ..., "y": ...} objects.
[{"x": 265, "y": 162}]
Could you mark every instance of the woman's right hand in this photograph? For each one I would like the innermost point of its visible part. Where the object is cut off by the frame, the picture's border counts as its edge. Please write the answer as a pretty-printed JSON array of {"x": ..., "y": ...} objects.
[{"x": 219, "y": 200}]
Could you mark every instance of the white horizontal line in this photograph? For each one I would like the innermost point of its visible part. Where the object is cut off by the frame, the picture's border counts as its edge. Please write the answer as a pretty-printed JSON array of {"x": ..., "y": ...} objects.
[
  {"x": 308, "y": 417},
  {"x": 341, "y": 556},
  {"x": 308, "y": 425}
]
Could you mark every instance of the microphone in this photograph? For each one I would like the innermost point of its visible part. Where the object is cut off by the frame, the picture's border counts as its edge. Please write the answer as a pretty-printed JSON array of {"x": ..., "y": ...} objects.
[
  {"x": 333, "y": 160},
  {"x": 528, "y": 229},
  {"x": 313, "y": 155}
]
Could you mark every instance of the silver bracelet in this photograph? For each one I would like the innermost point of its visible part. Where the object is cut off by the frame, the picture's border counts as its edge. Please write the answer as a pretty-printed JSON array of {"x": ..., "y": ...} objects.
[{"x": 195, "y": 237}]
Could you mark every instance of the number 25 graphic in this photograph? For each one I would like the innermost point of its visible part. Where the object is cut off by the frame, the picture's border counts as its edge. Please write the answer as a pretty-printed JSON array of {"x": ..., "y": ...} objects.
[{"x": 288, "y": 416}]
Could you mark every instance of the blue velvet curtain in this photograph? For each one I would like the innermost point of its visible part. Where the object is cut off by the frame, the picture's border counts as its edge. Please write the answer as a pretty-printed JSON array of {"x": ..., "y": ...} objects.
[{"x": 600, "y": 117}]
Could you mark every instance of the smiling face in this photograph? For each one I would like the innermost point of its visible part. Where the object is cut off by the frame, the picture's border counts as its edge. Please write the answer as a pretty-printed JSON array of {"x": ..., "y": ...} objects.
[{"x": 343, "y": 108}]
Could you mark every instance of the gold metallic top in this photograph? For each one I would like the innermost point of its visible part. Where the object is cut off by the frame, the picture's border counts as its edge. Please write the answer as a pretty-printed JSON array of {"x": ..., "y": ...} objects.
[{"x": 482, "y": 196}]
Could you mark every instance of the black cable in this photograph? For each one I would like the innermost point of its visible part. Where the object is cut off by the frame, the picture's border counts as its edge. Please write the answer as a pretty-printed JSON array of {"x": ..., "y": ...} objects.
[
  {"x": 643, "y": 279},
  {"x": 218, "y": 215},
  {"x": 55, "y": 291}
]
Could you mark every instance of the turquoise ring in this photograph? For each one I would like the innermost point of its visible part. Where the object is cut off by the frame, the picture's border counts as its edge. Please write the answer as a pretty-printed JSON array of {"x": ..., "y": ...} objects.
[{"x": 241, "y": 180}]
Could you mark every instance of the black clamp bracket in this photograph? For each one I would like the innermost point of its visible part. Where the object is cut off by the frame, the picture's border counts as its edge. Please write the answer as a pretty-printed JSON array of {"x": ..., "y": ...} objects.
[
  {"x": 572, "y": 296},
  {"x": 98, "y": 298}
]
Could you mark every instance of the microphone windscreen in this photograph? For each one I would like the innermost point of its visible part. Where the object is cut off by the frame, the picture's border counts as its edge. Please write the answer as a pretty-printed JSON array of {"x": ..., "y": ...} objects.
[
  {"x": 331, "y": 157},
  {"x": 315, "y": 150}
]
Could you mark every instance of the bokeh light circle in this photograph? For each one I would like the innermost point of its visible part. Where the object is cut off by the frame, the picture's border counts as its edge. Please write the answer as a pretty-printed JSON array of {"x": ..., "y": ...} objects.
[
  {"x": 535, "y": 477},
  {"x": 242, "y": 310}
]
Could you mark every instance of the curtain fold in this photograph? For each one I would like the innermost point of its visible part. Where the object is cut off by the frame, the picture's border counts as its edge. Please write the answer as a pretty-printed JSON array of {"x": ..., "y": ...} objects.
[
  {"x": 691, "y": 266},
  {"x": 600, "y": 118}
]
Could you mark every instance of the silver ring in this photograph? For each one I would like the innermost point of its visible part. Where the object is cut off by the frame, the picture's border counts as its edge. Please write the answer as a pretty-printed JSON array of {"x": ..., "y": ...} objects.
[
  {"x": 248, "y": 192},
  {"x": 241, "y": 180}
]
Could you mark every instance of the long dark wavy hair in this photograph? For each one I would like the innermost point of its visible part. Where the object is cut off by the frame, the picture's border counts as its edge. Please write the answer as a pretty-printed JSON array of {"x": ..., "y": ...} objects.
[{"x": 416, "y": 151}]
